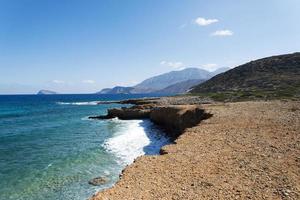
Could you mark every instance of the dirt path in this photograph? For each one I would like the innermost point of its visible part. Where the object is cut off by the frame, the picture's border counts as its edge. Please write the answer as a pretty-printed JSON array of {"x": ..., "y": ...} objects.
[{"x": 248, "y": 150}]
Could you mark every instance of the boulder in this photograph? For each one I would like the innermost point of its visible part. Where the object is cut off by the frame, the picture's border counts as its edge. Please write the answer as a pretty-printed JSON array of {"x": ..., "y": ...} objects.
[{"x": 98, "y": 181}]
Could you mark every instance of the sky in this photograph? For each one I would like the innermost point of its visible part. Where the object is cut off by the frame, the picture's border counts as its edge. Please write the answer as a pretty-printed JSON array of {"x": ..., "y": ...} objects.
[{"x": 82, "y": 46}]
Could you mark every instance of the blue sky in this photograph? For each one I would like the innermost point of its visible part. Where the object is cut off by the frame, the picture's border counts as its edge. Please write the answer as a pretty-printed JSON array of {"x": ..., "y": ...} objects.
[{"x": 81, "y": 46}]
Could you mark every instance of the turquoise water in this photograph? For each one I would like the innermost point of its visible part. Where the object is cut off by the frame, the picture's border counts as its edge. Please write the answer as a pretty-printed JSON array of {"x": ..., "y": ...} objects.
[{"x": 50, "y": 150}]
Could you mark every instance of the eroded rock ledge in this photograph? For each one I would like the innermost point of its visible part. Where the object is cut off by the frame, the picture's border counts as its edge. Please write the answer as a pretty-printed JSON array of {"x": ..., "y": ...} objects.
[{"x": 173, "y": 118}]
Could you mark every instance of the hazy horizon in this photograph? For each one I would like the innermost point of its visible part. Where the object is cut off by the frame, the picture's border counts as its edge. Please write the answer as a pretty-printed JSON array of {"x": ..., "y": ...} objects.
[{"x": 81, "y": 47}]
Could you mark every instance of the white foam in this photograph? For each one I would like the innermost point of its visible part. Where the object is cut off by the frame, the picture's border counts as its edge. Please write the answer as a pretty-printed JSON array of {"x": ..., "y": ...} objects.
[
  {"x": 88, "y": 103},
  {"x": 49, "y": 165},
  {"x": 134, "y": 138}
]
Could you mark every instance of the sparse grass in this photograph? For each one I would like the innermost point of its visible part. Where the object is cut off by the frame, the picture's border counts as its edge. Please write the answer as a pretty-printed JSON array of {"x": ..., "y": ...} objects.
[{"x": 287, "y": 93}]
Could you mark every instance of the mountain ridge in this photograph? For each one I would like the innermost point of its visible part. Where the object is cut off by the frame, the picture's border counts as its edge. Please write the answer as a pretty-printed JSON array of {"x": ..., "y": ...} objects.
[{"x": 159, "y": 83}]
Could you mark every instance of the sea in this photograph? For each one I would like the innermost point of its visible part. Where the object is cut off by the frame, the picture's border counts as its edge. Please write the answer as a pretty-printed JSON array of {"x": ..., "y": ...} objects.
[{"x": 49, "y": 149}]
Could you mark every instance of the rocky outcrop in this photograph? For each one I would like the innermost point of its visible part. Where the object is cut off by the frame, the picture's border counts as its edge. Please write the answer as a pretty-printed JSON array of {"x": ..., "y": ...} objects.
[
  {"x": 129, "y": 113},
  {"x": 125, "y": 113},
  {"x": 175, "y": 119}
]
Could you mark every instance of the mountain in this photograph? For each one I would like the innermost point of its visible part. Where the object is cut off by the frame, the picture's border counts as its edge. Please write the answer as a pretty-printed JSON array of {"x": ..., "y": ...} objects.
[
  {"x": 181, "y": 87},
  {"x": 105, "y": 91},
  {"x": 173, "y": 82},
  {"x": 46, "y": 92},
  {"x": 276, "y": 75},
  {"x": 116, "y": 90},
  {"x": 164, "y": 80},
  {"x": 160, "y": 82}
]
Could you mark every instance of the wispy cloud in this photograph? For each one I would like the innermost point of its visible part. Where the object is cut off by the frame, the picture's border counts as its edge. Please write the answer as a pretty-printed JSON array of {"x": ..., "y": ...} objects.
[
  {"x": 182, "y": 26},
  {"x": 222, "y": 33},
  {"x": 172, "y": 64},
  {"x": 205, "y": 22},
  {"x": 58, "y": 81},
  {"x": 210, "y": 66},
  {"x": 89, "y": 81}
]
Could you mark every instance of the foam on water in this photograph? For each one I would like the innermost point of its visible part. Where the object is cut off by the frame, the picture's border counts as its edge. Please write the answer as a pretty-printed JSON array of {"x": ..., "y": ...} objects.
[
  {"x": 88, "y": 103},
  {"x": 135, "y": 138}
]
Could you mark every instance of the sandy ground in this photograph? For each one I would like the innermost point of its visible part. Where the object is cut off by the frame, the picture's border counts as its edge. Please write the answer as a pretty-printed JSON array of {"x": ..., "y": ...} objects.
[{"x": 247, "y": 150}]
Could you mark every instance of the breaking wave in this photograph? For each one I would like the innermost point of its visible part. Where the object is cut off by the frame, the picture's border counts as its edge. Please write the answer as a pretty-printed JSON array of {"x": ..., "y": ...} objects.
[
  {"x": 88, "y": 103},
  {"x": 134, "y": 138}
]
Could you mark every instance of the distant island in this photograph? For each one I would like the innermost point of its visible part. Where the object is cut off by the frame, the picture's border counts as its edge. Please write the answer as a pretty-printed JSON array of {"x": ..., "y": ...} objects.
[{"x": 46, "y": 92}]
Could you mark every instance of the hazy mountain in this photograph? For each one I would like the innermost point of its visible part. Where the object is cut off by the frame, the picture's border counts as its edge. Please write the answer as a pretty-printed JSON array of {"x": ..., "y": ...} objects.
[
  {"x": 105, "y": 91},
  {"x": 278, "y": 75},
  {"x": 181, "y": 87},
  {"x": 116, "y": 90},
  {"x": 178, "y": 81},
  {"x": 46, "y": 92},
  {"x": 164, "y": 80}
]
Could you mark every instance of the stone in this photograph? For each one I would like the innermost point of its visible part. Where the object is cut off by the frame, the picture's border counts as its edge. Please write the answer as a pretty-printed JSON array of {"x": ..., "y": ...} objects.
[{"x": 98, "y": 181}]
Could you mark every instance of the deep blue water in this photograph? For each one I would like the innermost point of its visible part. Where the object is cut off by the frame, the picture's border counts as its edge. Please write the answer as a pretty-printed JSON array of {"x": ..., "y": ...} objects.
[{"x": 50, "y": 150}]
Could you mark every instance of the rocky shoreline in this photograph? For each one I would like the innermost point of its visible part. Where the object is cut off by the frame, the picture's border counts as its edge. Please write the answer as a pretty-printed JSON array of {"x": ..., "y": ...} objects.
[
  {"x": 173, "y": 114},
  {"x": 241, "y": 150}
]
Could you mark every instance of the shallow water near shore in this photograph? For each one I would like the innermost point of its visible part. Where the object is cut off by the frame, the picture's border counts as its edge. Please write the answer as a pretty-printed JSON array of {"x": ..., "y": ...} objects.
[{"x": 50, "y": 150}]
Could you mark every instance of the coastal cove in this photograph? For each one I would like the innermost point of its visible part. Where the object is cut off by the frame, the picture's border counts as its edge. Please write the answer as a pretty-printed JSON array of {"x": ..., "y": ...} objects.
[{"x": 51, "y": 150}]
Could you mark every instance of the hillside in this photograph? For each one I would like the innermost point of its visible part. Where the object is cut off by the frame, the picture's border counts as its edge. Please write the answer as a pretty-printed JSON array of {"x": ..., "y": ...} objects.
[{"x": 272, "y": 76}]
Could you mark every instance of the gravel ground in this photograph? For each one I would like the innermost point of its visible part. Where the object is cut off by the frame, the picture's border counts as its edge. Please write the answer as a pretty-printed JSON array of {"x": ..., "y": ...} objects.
[{"x": 246, "y": 150}]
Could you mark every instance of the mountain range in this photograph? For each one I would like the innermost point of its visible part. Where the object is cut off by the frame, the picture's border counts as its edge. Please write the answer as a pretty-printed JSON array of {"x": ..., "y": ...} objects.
[
  {"x": 275, "y": 76},
  {"x": 173, "y": 82}
]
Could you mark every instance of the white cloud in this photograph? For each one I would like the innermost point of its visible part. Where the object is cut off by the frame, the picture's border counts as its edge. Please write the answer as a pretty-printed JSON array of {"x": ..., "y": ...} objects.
[
  {"x": 163, "y": 62},
  {"x": 58, "y": 81},
  {"x": 209, "y": 66},
  {"x": 204, "y": 22},
  {"x": 172, "y": 64},
  {"x": 89, "y": 81},
  {"x": 222, "y": 33}
]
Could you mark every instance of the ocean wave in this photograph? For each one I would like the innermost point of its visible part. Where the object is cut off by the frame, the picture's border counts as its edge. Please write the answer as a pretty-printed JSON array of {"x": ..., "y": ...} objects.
[
  {"x": 88, "y": 103},
  {"x": 86, "y": 118},
  {"x": 135, "y": 138}
]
